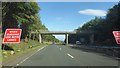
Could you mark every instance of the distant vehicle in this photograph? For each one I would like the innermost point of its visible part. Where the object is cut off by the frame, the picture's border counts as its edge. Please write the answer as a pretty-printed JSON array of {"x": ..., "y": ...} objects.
[{"x": 78, "y": 42}]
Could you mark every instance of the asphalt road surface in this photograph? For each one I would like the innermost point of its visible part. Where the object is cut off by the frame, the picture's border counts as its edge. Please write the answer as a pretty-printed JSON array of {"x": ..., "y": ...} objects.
[{"x": 60, "y": 55}]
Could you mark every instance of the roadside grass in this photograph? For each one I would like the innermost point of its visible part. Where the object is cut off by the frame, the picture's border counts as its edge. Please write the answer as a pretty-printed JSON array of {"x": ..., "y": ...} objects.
[{"x": 21, "y": 48}]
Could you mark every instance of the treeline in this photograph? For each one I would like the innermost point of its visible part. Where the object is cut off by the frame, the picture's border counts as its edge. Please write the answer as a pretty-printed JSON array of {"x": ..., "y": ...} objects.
[
  {"x": 102, "y": 27},
  {"x": 23, "y": 15}
]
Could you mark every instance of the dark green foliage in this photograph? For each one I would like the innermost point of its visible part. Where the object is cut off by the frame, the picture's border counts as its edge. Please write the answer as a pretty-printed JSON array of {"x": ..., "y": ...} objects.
[
  {"x": 23, "y": 15},
  {"x": 49, "y": 38},
  {"x": 103, "y": 27}
]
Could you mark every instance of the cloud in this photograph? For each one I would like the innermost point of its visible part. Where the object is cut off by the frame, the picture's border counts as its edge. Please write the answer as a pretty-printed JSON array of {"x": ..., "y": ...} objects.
[{"x": 93, "y": 12}]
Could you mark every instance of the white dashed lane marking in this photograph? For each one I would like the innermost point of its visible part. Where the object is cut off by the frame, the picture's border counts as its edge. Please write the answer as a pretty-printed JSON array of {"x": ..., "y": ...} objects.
[
  {"x": 70, "y": 55},
  {"x": 60, "y": 48}
]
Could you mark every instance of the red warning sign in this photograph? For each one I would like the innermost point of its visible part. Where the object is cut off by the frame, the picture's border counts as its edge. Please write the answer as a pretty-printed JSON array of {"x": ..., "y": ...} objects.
[
  {"x": 12, "y": 36},
  {"x": 117, "y": 36}
]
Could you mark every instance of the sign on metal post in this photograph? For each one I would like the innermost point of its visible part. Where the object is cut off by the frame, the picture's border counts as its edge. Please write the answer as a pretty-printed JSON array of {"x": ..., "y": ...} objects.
[
  {"x": 117, "y": 36},
  {"x": 12, "y": 36}
]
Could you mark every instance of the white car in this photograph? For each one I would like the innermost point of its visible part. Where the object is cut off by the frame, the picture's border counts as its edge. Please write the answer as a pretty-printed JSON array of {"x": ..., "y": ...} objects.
[{"x": 78, "y": 42}]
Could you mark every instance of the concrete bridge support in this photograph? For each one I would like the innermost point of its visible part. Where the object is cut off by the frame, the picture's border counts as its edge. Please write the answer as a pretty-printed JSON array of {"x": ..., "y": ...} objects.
[
  {"x": 40, "y": 38},
  {"x": 92, "y": 39},
  {"x": 66, "y": 36}
]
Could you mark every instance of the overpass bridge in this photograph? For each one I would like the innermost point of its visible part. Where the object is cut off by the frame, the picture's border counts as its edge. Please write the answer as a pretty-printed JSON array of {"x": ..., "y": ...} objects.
[
  {"x": 66, "y": 33},
  {"x": 58, "y": 32}
]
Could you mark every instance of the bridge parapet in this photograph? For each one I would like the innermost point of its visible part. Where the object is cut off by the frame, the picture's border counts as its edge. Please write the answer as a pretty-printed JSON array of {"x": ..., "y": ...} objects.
[{"x": 55, "y": 32}]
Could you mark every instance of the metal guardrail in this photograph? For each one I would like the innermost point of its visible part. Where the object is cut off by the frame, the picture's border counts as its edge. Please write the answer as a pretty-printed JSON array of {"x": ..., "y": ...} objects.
[
  {"x": 108, "y": 50},
  {"x": 105, "y": 46}
]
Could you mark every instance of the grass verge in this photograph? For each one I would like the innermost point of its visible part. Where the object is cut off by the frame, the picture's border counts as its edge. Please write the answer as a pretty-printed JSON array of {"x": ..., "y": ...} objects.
[{"x": 21, "y": 48}]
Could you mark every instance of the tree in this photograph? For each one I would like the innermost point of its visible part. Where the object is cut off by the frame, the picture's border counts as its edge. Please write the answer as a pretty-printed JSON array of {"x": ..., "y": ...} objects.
[
  {"x": 104, "y": 26},
  {"x": 19, "y": 15},
  {"x": 23, "y": 15}
]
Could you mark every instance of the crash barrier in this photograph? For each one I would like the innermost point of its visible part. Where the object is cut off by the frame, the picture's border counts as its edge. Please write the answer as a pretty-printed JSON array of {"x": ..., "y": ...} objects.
[{"x": 113, "y": 51}]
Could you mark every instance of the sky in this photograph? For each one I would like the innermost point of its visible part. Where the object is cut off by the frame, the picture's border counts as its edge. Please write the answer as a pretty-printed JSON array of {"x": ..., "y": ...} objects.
[{"x": 67, "y": 16}]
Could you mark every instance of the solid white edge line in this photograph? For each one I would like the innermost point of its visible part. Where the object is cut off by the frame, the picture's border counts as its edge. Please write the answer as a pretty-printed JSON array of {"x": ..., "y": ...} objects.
[
  {"x": 40, "y": 49},
  {"x": 30, "y": 56},
  {"x": 70, "y": 55}
]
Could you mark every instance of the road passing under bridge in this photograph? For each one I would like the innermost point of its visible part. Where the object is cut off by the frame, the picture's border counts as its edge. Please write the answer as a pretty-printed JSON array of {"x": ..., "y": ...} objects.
[{"x": 60, "y": 55}]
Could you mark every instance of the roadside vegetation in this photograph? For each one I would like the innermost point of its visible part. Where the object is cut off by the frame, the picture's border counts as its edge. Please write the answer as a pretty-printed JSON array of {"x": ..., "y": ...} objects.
[
  {"x": 23, "y": 15},
  {"x": 18, "y": 49},
  {"x": 102, "y": 28}
]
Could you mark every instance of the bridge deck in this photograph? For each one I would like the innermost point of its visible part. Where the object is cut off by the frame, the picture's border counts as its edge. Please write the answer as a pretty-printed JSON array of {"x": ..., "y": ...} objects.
[{"x": 55, "y": 32}]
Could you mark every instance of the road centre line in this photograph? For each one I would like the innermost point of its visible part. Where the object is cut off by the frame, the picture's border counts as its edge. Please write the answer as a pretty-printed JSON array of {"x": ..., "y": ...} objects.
[{"x": 70, "y": 55}]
